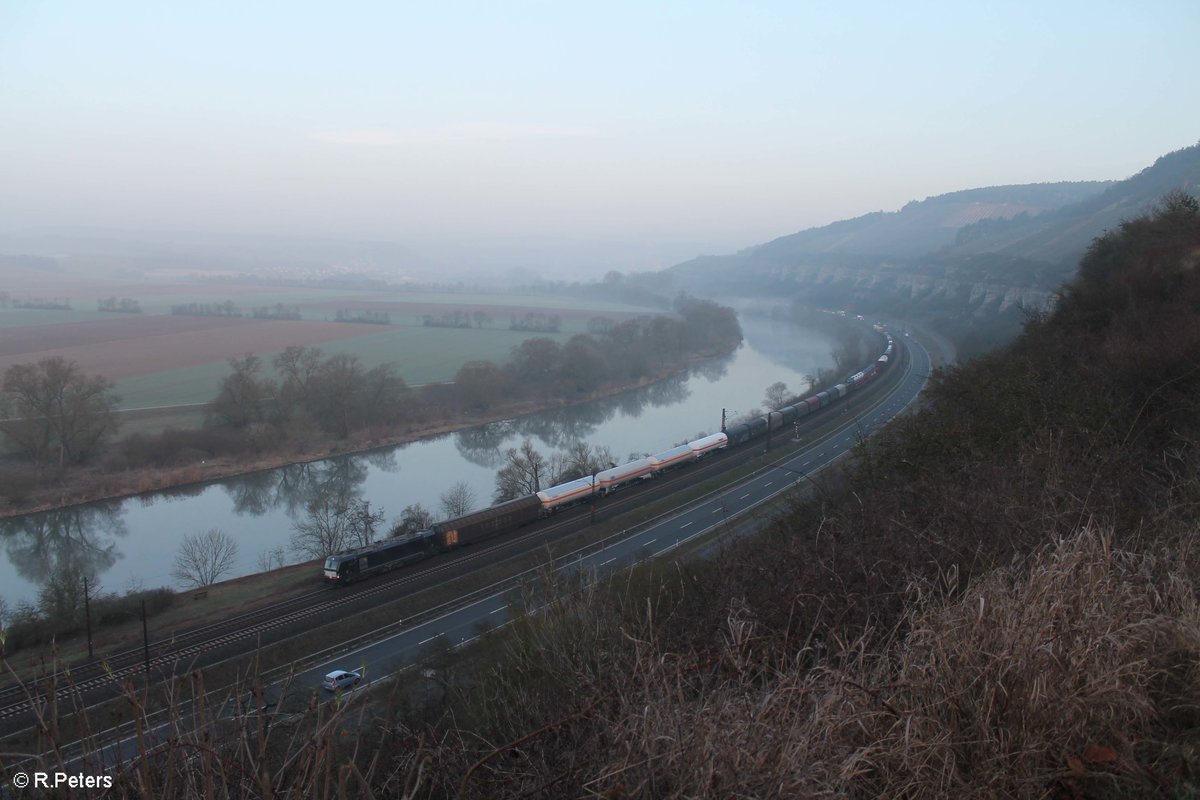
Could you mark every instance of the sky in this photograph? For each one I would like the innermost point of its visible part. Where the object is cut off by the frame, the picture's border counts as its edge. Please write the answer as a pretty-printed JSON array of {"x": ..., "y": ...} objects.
[{"x": 632, "y": 134}]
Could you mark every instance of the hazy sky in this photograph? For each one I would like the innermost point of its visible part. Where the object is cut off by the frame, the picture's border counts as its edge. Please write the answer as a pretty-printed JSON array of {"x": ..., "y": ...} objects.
[{"x": 701, "y": 126}]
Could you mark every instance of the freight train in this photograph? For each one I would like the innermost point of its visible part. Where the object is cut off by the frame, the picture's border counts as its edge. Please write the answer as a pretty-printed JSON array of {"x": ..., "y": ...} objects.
[{"x": 353, "y": 565}]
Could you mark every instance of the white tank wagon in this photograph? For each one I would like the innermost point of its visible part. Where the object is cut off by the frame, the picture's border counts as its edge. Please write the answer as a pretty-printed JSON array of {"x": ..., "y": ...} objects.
[
  {"x": 610, "y": 479},
  {"x": 675, "y": 457},
  {"x": 715, "y": 441},
  {"x": 565, "y": 494}
]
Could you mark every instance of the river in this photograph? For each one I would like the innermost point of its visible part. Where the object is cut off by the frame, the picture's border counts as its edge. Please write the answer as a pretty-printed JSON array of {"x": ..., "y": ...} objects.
[{"x": 132, "y": 543}]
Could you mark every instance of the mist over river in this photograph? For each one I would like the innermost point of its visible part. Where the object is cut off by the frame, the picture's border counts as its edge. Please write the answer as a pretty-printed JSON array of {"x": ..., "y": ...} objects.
[{"x": 132, "y": 543}]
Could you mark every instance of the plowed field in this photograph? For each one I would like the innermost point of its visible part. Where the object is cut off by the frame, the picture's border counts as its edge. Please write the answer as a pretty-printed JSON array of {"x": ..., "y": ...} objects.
[{"x": 121, "y": 348}]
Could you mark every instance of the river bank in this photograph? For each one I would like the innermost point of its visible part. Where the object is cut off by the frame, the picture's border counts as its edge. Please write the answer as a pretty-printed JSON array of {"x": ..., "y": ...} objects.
[{"x": 88, "y": 484}]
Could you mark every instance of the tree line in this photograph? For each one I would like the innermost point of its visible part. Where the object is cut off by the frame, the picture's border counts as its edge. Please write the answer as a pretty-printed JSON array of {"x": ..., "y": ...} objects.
[
  {"x": 46, "y": 303},
  {"x": 617, "y": 353},
  {"x": 51, "y": 413},
  {"x": 119, "y": 305},
  {"x": 362, "y": 317},
  {"x": 228, "y": 308},
  {"x": 457, "y": 319}
]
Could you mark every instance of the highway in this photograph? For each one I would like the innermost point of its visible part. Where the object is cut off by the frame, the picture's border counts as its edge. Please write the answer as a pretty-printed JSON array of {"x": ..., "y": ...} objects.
[{"x": 382, "y": 659}]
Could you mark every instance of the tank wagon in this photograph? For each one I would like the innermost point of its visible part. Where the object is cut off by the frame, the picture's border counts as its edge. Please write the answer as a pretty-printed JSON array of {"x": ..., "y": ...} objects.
[
  {"x": 707, "y": 444},
  {"x": 675, "y": 457},
  {"x": 566, "y": 494},
  {"x": 363, "y": 562}
]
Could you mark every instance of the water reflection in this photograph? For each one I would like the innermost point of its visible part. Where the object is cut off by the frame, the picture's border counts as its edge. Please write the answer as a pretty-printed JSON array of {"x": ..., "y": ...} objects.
[
  {"x": 64, "y": 546},
  {"x": 558, "y": 428},
  {"x": 715, "y": 370},
  {"x": 481, "y": 445},
  {"x": 295, "y": 487},
  {"x": 261, "y": 509}
]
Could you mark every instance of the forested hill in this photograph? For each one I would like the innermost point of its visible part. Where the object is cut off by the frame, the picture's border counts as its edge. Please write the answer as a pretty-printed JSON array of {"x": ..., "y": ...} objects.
[
  {"x": 998, "y": 600},
  {"x": 924, "y": 226},
  {"x": 963, "y": 260}
]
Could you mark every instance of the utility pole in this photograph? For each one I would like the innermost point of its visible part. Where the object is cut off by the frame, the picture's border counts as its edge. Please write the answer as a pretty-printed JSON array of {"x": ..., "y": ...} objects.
[
  {"x": 145, "y": 640},
  {"x": 592, "y": 518},
  {"x": 722, "y": 420},
  {"x": 87, "y": 616}
]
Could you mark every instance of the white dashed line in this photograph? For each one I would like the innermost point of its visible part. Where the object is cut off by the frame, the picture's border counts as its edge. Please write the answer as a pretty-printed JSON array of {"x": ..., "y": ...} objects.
[
  {"x": 426, "y": 641},
  {"x": 743, "y": 497},
  {"x": 497, "y": 610},
  {"x": 606, "y": 563},
  {"x": 684, "y": 525},
  {"x": 768, "y": 483}
]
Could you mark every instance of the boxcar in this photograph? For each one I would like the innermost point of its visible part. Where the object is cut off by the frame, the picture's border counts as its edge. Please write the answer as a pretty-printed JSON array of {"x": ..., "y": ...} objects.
[
  {"x": 478, "y": 525},
  {"x": 738, "y": 434}
]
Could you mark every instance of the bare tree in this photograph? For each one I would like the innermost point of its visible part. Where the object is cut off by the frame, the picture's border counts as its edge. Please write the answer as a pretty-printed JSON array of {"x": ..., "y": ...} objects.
[
  {"x": 271, "y": 559},
  {"x": 412, "y": 519},
  {"x": 459, "y": 499},
  {"x": 326, "y": 530},
  {"x": 479, "y": 384},
  {"x": 776, "y": 396},
  {"x": 360, "y": 530},
  {"x": 581, "y": 459},
  {"x": 204, "y": 557},
  {"x": 52, "y": 409},
  {"x": 244, "y": 397},
  {"x": 524, "y": 472}
]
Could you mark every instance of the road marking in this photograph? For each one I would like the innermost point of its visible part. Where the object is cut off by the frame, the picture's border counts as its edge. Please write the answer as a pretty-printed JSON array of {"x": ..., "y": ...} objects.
[
  {"x": 498, "y": 610},
  {"x": 806, "y": 463},
  {"x": 606, "y": 563},
  {"x": 717, "y": 510},
  {"x": 423, "y": 641},
  {"x": 743, "y": 497},
  {"x": 768, "y": 483},
  {"x": 684, "y": 525},
  {"x": 652, "y": 541}
]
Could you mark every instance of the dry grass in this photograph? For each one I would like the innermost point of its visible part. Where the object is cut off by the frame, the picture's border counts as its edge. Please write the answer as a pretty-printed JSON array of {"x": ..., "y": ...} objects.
[{"x": 1063, "y": 672}]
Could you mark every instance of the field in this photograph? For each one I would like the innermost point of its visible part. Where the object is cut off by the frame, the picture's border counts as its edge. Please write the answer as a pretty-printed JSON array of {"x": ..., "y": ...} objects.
[{"x": 159, "y": 360}]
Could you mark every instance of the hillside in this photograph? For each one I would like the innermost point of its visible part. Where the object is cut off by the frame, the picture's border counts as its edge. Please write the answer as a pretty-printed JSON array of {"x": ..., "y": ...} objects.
[
  {"x": 927, "y": 225},
  {"x": 968, "y": 261},
  {"x": 999, "y": 598}
]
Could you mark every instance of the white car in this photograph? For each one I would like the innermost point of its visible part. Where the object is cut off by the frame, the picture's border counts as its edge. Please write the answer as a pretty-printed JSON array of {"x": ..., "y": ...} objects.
[{"x": 341, "y": 679}]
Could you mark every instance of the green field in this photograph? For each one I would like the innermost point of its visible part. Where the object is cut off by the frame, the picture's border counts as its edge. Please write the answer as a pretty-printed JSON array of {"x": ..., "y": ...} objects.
[
  {"x": 85, "y": 310},
  {"x": 423, "y": 355}
]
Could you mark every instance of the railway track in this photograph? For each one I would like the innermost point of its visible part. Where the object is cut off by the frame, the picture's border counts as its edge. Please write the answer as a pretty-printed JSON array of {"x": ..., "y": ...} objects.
[{"x": 321, "y": 606}]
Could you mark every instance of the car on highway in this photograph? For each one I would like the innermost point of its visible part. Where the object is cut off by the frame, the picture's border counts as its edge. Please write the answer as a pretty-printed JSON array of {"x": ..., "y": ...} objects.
[{"x": 341, "y": 679}]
